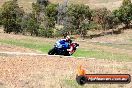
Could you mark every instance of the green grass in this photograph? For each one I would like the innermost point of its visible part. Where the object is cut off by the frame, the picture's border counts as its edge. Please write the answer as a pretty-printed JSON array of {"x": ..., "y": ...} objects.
[
  {"x": 45, "y": 47},
  {"x": 102, "y": 55},
  {"x": 120, "y": 46},
  {"x": 72, "y": 84},
  {"x": 130, "y": 39}
]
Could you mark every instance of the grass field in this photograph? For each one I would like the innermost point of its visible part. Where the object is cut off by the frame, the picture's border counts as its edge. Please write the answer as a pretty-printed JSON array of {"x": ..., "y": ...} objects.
[{"x": 45, "y": 46}]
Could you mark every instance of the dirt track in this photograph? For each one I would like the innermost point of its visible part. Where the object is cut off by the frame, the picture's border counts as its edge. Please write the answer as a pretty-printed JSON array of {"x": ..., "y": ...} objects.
[
  {"x": 51, "y": 71},
  {"x": 10, "y": 48}
]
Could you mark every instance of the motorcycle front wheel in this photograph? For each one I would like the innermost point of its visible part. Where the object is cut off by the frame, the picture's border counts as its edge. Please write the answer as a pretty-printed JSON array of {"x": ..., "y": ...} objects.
[{"x": 51, "y": 52}]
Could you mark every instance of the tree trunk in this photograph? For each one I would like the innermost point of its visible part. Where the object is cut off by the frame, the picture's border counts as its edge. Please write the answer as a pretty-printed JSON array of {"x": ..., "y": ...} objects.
[{"x": 127, "y": 25}]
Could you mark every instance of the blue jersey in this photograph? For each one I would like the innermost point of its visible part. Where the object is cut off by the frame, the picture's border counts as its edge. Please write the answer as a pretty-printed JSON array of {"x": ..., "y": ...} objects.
[{"x": 62, "y": 44}]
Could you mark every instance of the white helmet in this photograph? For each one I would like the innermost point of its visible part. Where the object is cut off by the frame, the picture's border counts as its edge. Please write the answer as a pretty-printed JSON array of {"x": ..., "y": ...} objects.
[{"x": 68, "y": 37}]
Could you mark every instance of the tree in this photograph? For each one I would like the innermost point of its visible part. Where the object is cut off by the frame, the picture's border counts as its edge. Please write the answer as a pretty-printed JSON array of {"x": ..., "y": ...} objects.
[
  {"x": 124, "y": 14},
  {"x": 111, "y": 21},
  {"x": 101, "y": 17},
  {"x": 46, "y": 17},
  {"x": 32, "y": 27},
  {"x": 43, "y": 2},
  {"x": 84, "y": 27},
  {"x": 39, "y": 10},
  {"x": 29, "y": 24},
  {"x": 36, "y": 8},
  {"x": 0, "y": 17},
  {"x": 11, "y": 14},
  {"x": 126, "y": 2},
  {"x": 51, "y": 12},
  {"x": 50, "y": 19},
  {"x": 76, "y": 16},
  {"x": 46, "y": 32}
]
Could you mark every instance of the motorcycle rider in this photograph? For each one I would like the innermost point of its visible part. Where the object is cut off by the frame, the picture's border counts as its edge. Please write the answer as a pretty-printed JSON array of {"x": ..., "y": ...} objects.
[
  {"x": 64, "y": 47},
  {"x": 64, "y": 43}
]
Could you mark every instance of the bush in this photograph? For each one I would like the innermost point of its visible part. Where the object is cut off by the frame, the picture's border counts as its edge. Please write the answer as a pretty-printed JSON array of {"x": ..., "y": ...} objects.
[
  {"x": 11, "y": 16},
  {"x": 78, "y": 19},
  {"x": 112, "y": 21},
  {"x": 30, "y": 24},
  {"x": 124, "y": 14},
  {"x": 43, "y": 2},
  {"x": 0, "y": 17},
  {"x": 126, "y": 2},
  {"x": 100, "y": 17},
  {"x": 104, "y": 19},
  {"x": 46, "y": 32},
  {"x": 51, "y": 11}
]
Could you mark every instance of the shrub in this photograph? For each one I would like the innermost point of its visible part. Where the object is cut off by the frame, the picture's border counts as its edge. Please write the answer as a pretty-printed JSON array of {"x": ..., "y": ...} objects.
[
  {"x": 124, "y": 14},
  {"x": 100, "y": 16},
  {"x": 46, "y": 32},
  {"x": 11, "y": 14},
  {"x": 126, "y": 2},
  {"x": 78, "y": 18}
]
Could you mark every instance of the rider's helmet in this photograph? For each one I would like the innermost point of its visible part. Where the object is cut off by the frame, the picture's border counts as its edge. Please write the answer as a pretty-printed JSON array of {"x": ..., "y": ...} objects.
[{"x": 68, "y": 39}]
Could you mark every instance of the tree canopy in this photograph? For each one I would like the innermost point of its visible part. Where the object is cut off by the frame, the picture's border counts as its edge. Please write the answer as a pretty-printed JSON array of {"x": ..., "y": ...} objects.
[
  {"x": 11, "y": 14},
  {"x": 73, "y": 18}
]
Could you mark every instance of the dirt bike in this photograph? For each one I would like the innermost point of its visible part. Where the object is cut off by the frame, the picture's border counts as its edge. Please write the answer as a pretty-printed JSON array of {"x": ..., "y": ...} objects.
[{"x": 62, "y": 51}]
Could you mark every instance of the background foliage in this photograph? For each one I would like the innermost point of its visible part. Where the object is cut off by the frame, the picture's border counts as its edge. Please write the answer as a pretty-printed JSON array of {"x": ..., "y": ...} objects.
[{"x": 78, "y": 19}]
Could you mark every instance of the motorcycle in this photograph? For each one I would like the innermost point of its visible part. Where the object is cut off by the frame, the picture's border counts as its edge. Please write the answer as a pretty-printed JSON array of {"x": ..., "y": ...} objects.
[{"x": 62, "y": 50}]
